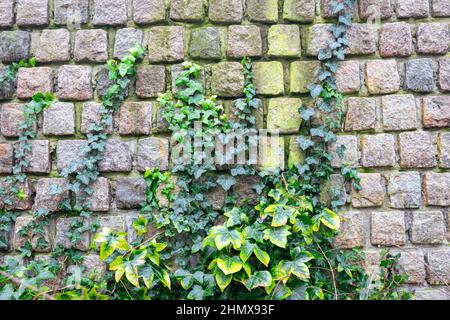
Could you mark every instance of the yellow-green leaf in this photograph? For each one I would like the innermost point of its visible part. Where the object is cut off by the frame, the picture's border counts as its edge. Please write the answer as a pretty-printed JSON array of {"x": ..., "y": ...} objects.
[{"x": 229, "y": 265}]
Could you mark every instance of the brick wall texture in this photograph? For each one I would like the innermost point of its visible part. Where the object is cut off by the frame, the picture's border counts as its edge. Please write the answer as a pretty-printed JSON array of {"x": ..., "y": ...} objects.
[{"x": 396, "y": 79}]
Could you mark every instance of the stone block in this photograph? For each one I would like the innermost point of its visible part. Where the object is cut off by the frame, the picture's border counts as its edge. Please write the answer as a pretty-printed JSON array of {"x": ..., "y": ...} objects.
[
  {"x": 59, "y": 119},
  {"x": 351, "y": 232},
  {"x": 284, "y": 41},
  {"x": 130, "y": 193},
  {"x": 54, "y": 46},
  {"x": 91, "y": 46},
  {"x": 126, "y": 39},
  {"x": 416, "y": 150},
  {"x": 227, "y": 79},
  {"x": 349, "y": 146},
  {"x": 12, "y": 116},
  {"x": 440, "y": 8},
  {"x": 372, "y": 191},
  {"x": 269, "y": 78},
  {"x": 436, "y": 186},
  {"x": 51, "y": 194},
  {"x": 66, "y": 226},
  {"x": 382, "y": 76},
  {"x": 378, "y": 150},
  {"x": 299, "y": 10},
  {"x": 101, "y": 196},
  {"x": 399, "y": 112},
  {"x": 296, "y": 155},
  {"x": 149, "y": 11},
  {"x": 40, "y": 242},
  {"x": 205, "y": 43},
  {"x": 396, "y": 40},
  {"x": 361, "y": 114},
  {"x": 14, "y": 45},
  {"x": 71, "y": 12},
  {"x": 14, "y": 203},
  {"x": 433, "y": 38},
  {"x": 115, "y": 223},
  {"x": 420, "y": 75},
  {"x": 103, "y": 82},
  {"x": 166, "y": 44},
  {"x": 245, "y": 189},
  {"x": 263, "y": 10},
  {"x": 318, "y": 37},
  {"x": 438, "y": 267},
  {"x": 153, "y": 153},
  {"x": 6, "y": 157},
  {"x": 412, "y": 262},
  {"x": 110, "y": 12},
  {"x": 7, "y": 13},
  {"x": 8, "y": 87},
  {"x": 362, "y": 38},
  {"x": 444, "y": 74},
  {"x": 373, "y": 9},
  {"x": 428, "y": 227},
  {"x": 189, "y": 11},
  {"x": 271, "y": 154},
  {"x": 117, "y": 157},
  {"x": 39, "y": 158},
  {"x": 244, "y": 41},
  {"x": 32, "y": 12},
  {"x": 405, "y": 190},
  {"x": 388, "y": 228},
  {"x": 283, "y": 115},
  {"x": 150, "y": 81},
  {"x": 444, "y": 149},
  {"x": 347, "y": 77},
  {"x": 135, "y": 118},
  {"x": 413, "y": 8},
  {"x": 91, "y": 117},
  {"x": 33, "y": 80},
  {"x": 75, "y": 83},
  {"x": 226, "y": 11},
  {"x": 303, "y": 74},
  {"x": 436, "y": 111}
]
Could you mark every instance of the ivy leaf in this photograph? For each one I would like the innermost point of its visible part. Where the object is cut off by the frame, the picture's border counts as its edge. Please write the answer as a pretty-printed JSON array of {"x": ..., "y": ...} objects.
[
  {"x": 262, "y": 255},
  {"x": 187, "y": 279},
  {"x": 300, "y": 269},
  {"x": 278, "y": 236},
  {"x": 330, "y": 219},
  {"x": 229, "y": 265},
  {"x": 224, "y": 237},
  {"x": 280, "y": 217},
  {"x": 307, "y": 113},
  {"x": 226, "y": 182},
  {"x": 163, "y": 276},
  {"x": 305, "y": 143},
  {"x": 315, "y": 90},
  {"x": 246, "y": 251},
  {"x": 140, "y": 225},
  {"x": 281, "y": 292},
  {"x": 223, "y": 280},
  {"x": 259, "y": 279},
  {"x": 197, "y": 293}
]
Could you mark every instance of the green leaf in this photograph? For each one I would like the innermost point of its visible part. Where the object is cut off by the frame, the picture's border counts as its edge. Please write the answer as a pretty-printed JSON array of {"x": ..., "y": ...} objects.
[
  {"x": 259, "y": 279},
  {"x": 278, "y": 236},
  {"x": 163, "y": 276},
  {"x": 223, "y": 280},
  {"x": 262, "y": 255},
  {"x": 229, "y": 265},
  {"x": 330, "y": 219},
  {"x": 224, "y": 237},
  {"x": 300, "y": 269},
  {"x": 246, "y": 251},
  {"x": 281, "y": 292},
  {"x": 280, "y": 217}
]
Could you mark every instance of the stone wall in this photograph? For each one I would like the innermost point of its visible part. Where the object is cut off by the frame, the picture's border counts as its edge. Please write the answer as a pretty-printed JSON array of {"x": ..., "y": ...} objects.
[{"x": 396, "y": 77}]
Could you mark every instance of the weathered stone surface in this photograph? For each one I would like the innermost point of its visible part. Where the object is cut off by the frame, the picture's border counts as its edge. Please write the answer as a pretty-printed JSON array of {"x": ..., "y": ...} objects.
[
  {"x": 444, "y": 149},
  {"x": 444, "y": 74},
  {"x": 91, "y": 46},
  {"x": 130, "y": 193},
  {"x": 16, "y": 203},
  {"x": 271, "y": 154},
  {"x": 187, "y": 10},
  {"x": 216, "y": 197},
  {"x": 299, "y": 10},
  {"x": 75, "y": 83},
  {"x": 413, "y": 8},
  {"x": 135, "y": 118},
  {"x": 65, "y": 226},
  {"x": 416, "y": 150},
  {"x": 150, "y": 81},
  {"x": 103, "y": 82},
  {"x": 283, "y": 115},
  {"x": 405, "y": 190},
  {"x": 126, "y": 39},
  {"x": 420, "y": 75},
  {"x": 39, "y": 157},
  {"x": 244, "y": 41},
  {"x": 269, "y": 78},
  {"x": 396, "y": 40},
  {"x": 373, "y": 9},
  {"x": 399, "y": 112},
  {"x": 153, "y": 153},
  {"x": 362, "y": 38},
  {"x": 39, "y": 242},
  {"x": 372, "y": 191},
  {"x": 54, "y": 46},
  {"x": 90, "y": 116},
  {"x": 32, "y": 12},
  {"x": 438, "y": 267},
  {"x": 302, "y": 74},
  {"x": 333, "y": 191},
  {"x": 296, "y": 155},
  {"x": 100, "y": 198},
  {"x": 110, "y": 12},
  {"x": 429, "y": 293},
  {"x": 6, "y": 157},
  {"x": 284, "y": 41},
  {"x": 50, "y": 194},
  {"x": 351, "y": 233},
  {"x": 11, "y": 115},
  {"x": 7, "y": 13},
  {"x": 378, "y": 150},
  {"x": 428, "y": 227},
  {"x": 436, "y": 189},
  {"x": 382, "y": 76},
  {"x": 71, "y": 12},
  {"x": 245, "y": 189},
  {"x": 117, "y": 157},
  {"x": 436, "y": 111},
  {"x": 263, "y": 10},
  {"x": 93, "y": 265},
  {"x": 69, "y": 153},
  {"x": 205, "y": 43},
  {"x": 361, "y": 114},
  {"x": 350, "y": 156},
  {"x": 226, "y": 11},
  {"x": 227, "y": 79},
  {"x": 388, "y": 228},
  {"x": 14, "y": 45},
  {"x": 32, "y": 80},
  {"x": 8, "y": 88},
  {"x": 317, "y": 38},
  {"x": 59, "y": 119},
  {"x": 440, "y": 8},
  {"x": 433, "y": 38},
  {"x": 412, "y": 262},
  {"x": 115, "y": 223},
  {"x": 149, "y": 11},
  {"x": 347, "y": 77},
  {"x": 166, "y": 44}
]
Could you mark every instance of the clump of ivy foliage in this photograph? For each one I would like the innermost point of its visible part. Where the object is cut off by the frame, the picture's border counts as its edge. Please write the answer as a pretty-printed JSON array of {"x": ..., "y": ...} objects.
[{"x": 277, "y": 245}]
